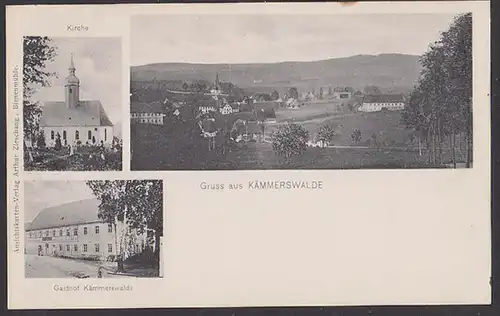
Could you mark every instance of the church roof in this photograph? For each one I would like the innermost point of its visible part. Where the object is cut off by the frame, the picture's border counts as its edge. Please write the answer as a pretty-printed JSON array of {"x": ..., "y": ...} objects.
[
  {"x": 74, "y": 213},
  {"x": 87, "y": 113}
]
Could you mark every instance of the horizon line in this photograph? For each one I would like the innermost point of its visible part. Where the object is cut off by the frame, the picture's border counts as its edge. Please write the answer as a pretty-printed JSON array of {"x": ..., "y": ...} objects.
[{"x": 275, "y": 62}]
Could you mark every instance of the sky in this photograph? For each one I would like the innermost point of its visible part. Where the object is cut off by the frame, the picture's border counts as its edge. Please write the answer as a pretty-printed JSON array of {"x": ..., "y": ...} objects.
[
  {"x": 98, "y": 63},
  {"x": 39, "y": 195},
  {"x": 277, "y": 38}
]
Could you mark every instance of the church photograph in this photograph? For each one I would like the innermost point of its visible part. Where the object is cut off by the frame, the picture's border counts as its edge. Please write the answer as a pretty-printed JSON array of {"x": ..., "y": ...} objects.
[{"x": 72, "y": 95}]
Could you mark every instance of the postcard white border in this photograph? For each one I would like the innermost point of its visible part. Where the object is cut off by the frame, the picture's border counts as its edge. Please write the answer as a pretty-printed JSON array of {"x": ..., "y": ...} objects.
[{"x": 429, "y": 243}]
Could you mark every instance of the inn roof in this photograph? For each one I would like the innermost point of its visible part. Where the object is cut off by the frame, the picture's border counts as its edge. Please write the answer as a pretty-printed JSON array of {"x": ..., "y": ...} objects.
[
  {"x": 86, "y": 113},
  {"x": 74, "y": 213}
]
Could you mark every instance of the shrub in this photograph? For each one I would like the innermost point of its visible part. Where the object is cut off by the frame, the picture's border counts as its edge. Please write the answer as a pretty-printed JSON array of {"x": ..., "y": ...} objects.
[
  {"x": 289, "y": 140},
  {"x": 326, "y": 133}
]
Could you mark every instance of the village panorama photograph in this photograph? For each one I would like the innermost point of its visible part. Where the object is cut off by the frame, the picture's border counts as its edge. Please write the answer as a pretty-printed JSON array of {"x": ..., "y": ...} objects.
[
  {"x": 72, "y": 104},
  {"x": 226, "y": 92},
  {"x": 93, "y": 229}
]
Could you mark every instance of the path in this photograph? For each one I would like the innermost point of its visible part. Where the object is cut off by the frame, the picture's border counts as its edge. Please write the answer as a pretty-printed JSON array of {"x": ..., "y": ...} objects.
[{"x": 51, "y": 267}]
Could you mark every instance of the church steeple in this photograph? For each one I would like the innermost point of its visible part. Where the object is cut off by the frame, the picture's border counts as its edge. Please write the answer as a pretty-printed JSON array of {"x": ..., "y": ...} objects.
[
  {"x": 217, "y": 83},
  {"x": 72, "y": 86}
]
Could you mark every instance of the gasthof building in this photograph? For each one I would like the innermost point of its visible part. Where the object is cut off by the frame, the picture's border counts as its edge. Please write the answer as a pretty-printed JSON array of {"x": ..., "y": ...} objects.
[{"x": 74, "y": 230}]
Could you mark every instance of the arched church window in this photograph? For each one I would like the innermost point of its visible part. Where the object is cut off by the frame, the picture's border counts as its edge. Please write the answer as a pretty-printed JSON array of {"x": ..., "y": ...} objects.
[
  {"x": 77, "y": 135},
  {"x": 64, "y": 134},
  {"x": 105, "y": 134},
  {"x": 51, "y": 134},
  {"x": 90, "y": 134}
]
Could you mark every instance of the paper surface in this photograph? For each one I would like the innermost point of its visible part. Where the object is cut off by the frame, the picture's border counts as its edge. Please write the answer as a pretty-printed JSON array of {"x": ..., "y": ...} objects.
[{"x": 368, "y": 236}]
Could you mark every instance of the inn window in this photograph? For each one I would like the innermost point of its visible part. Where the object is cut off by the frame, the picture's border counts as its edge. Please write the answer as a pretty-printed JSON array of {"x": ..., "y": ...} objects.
[
  {"x": 84, "y": 247},
  {"x": 60, "y": 232},
  {"x": 52, "y": 135},
  {"x": 96, "y": 246},
  {"x": 77, "y": 135},
  {"x": 97, "y": 229},
  {"x": 75, "y": 247},
  {"x": 110, "y": 228},
  {"x": 60, "y": 248},
  {"x": 85, "y": 230},
  {"x": 67, "y": 232},
  {"x": 110, "y": 247},
  {"x": 75, "y": 231},
  {"x": 64, "y": 134},
  {"x": 67, "y": 247}
]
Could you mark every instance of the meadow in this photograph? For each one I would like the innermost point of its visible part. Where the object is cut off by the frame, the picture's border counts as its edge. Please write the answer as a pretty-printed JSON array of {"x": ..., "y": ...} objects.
[{"x": 179, "y": 146}]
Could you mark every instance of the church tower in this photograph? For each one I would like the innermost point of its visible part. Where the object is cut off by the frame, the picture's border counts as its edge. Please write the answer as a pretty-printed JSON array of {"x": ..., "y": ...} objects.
[
  {"x": 217, "y": 82},
  {"x": 72, "y": 87}
]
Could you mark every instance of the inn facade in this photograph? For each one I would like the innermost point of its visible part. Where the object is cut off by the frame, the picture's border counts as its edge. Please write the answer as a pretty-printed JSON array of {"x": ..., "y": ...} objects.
[{"x": 74, "y": 230}]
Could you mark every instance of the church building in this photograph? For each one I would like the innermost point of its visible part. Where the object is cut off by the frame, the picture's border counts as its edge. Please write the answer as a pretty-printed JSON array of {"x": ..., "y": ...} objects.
[{"x": 75, "y": 121}]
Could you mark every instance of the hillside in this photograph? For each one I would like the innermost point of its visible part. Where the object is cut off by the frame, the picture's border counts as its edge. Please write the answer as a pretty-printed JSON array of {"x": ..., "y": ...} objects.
[{"x": 387, "y": 71}]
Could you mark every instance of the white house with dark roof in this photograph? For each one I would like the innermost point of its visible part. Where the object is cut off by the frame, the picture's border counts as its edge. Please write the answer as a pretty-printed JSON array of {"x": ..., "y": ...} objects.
[
  {"x": 147, "y": 112},
  {"x": 75, "y": 121},
  {"x": 74, "y": 230},
  {"x": 377, "y": 102}
]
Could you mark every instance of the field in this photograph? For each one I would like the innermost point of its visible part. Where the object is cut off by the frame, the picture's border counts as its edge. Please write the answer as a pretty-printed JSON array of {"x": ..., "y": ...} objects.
[
  {"x": 261, "y": 156},
  {"x": 389, "y": 124},
  {"x": 180, "y": 147},
  {"x": 310, "y": 111}
]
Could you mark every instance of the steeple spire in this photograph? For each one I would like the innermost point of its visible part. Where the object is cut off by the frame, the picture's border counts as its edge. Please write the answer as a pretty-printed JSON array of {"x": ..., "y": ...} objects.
[
  {"x": 72, "y": 66},
  {"x": 72, "y": 86}
]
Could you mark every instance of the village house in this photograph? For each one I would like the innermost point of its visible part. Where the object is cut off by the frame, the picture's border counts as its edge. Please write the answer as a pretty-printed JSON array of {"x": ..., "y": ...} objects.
[
  {"x": 74, "y": 230},
  {"x": 75, "y": 121},
  {"x": 147, "y": 112},
  {"x": 378, "y": 102},
  {"x": 206, "y": 106},
  {"x": 229, "y": 108},
  {"x": 342, "y": 93}
]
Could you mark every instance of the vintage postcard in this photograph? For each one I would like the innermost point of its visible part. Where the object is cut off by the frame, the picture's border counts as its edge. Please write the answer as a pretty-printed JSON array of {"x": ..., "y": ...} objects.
[{"x": 225, "y": 155}]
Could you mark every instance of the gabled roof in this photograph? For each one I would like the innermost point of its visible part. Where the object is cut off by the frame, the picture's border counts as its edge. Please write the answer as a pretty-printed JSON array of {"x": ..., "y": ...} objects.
[
  {"x": 87, "y": 113},
  {"x": 74, "y": 213},
  {"x": 383, "y": 98},
  {"x": 206, "y": 103},
  {"x": 26, "y": 225},
  {"x": 343, "y": 89},
  {"x": 147, "y": 107}
]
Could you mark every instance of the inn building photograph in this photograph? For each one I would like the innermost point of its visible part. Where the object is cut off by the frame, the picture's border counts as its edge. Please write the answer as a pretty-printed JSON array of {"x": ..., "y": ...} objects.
[
  {"x": 255, "y": 92},
  {"x": 71, "y": 231},
  {"x": 72, "y": 93}
]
